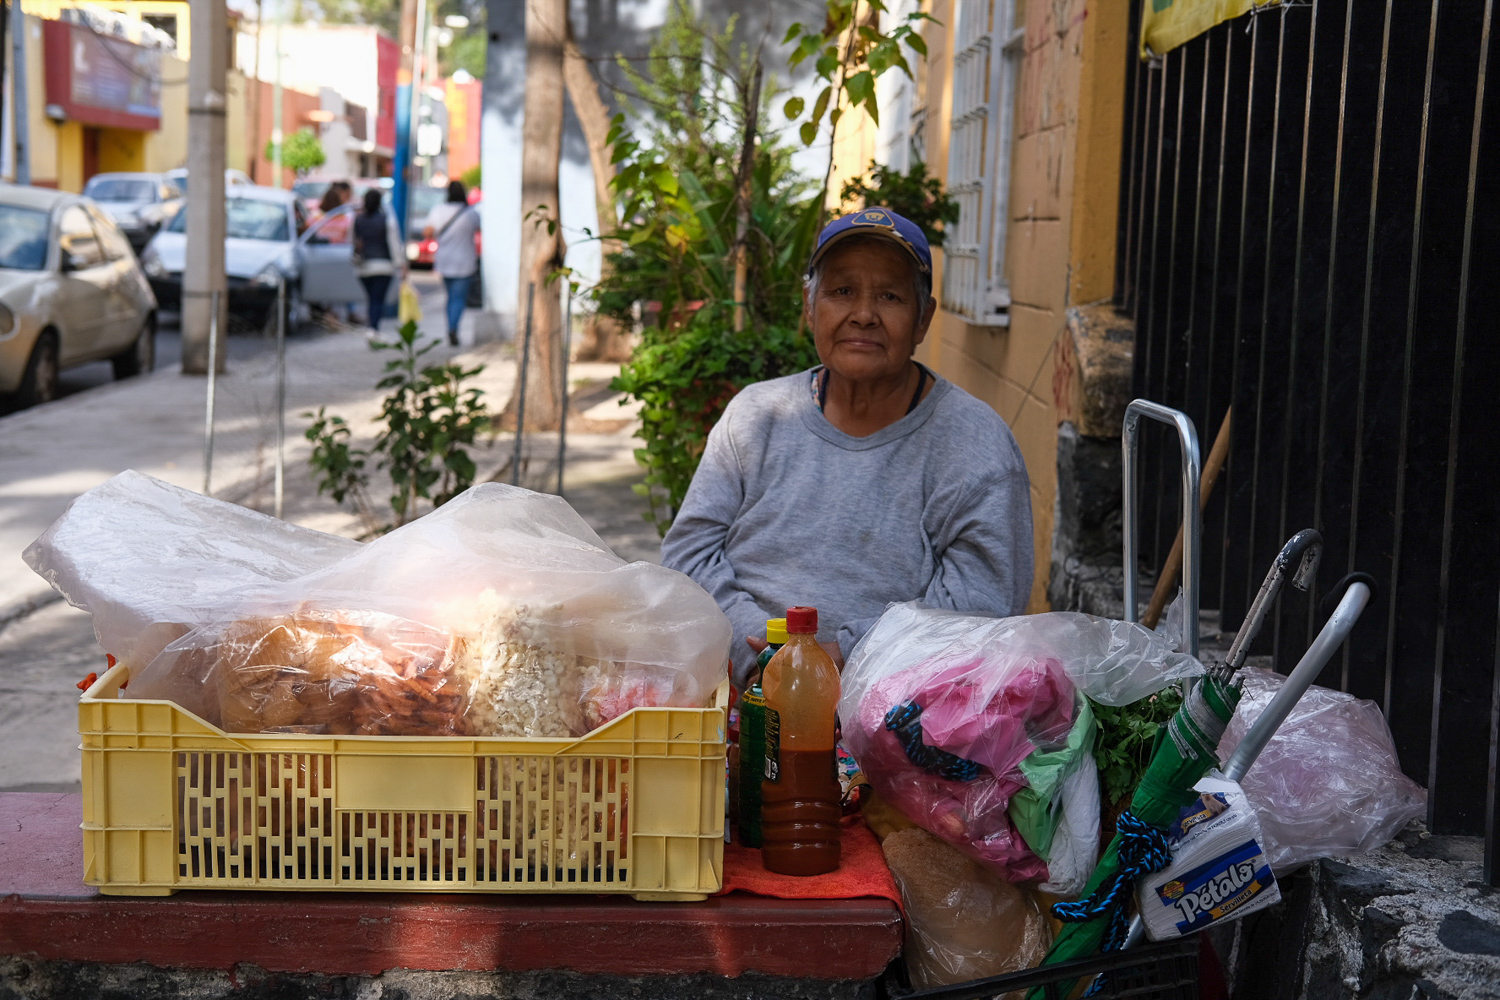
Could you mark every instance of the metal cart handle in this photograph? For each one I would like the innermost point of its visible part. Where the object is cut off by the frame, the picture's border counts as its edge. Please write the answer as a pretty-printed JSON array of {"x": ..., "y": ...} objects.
[{"x": 1192, "y": 533}]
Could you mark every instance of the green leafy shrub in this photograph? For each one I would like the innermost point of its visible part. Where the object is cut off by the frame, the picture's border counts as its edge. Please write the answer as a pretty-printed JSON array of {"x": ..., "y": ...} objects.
[
  {"x": 676, "y": 175},
  {"x": 431, "y": 418},
  {"x": 685, "y": 379},
  {"x": 912, "y": 194},
  {"x": 302, "y": 151}
]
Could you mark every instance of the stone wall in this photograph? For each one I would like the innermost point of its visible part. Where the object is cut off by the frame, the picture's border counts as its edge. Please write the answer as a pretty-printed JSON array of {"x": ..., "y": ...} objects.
[{"x": 1411, "y": 921}]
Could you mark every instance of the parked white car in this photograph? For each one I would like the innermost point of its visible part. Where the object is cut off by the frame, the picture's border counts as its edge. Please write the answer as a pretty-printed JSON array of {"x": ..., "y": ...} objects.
[
  {"x": 268, "y": 240},
  {"x": 139, "y": 203},
  {"x": 71, "y": 292}
]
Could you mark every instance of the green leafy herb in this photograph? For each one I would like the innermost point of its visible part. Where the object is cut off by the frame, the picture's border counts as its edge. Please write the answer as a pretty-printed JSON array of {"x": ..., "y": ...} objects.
[{"x": 1127, "y": 735}]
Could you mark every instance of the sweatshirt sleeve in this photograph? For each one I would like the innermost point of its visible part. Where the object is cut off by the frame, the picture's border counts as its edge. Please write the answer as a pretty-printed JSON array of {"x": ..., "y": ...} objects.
[
  {"x": 984, "y": 555},
  {"x": 695, "y": 544},
  {"x": 986, "y": 562}
]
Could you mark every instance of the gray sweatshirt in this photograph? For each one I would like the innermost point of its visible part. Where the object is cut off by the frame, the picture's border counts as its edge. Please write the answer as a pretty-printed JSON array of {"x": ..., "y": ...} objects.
[{"x": 786, "y": 509}]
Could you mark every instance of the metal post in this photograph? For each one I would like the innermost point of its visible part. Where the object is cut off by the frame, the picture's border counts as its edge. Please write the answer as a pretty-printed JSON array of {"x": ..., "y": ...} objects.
[
  {"x": 1192, "y": 531},
  {"x": 19, "y": 109},
  {"x": 562, "y": 427},
  {"x": 278, "y": 138},
  {"x": 213, "y": 378},
  {"x": 515, "y": 463},
  {"x": 280, "y": 394},
  {"x": 203, "y": 275}
]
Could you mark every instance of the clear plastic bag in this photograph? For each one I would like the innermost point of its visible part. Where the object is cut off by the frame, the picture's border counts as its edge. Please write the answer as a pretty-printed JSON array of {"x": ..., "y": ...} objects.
[
  {"x": 962, "y": 922},
  {"x": 1329, "y": 781},
  {"x": 499, "y": 614},
  {"x": 940, "y": 720},
  {"x": 150, "y": 561}
]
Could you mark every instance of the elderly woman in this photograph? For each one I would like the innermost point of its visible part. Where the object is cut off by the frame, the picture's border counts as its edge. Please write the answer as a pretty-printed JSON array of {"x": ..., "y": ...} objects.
[{"x": 868, "y": 479}]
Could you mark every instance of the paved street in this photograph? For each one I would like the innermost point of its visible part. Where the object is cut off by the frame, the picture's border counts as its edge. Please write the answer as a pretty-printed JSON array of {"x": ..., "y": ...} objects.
[{"x": 154, "y": 424}]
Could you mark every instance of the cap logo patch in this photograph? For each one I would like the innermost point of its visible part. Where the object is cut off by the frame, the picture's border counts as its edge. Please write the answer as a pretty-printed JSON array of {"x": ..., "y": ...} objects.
[{"x": 875, "y": 217}]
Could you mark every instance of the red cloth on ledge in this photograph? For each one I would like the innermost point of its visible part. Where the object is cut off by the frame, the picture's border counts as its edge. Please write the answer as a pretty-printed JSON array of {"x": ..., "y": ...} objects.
[{"x": 862, "y": 871}]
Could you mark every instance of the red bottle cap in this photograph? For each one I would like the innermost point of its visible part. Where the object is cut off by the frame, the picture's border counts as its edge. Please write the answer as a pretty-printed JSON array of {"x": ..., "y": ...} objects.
[{"x": 801, "y": 620}]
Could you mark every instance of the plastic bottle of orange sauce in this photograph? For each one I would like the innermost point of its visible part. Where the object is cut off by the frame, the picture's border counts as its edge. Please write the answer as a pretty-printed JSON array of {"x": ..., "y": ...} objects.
[{"x": 800, "y": 806}]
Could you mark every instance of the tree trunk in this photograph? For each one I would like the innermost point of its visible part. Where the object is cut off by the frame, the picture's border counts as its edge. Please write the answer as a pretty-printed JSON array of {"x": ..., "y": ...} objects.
[
  {"x": 605, "y": 339},
  {"x": 542, "y": 246}
]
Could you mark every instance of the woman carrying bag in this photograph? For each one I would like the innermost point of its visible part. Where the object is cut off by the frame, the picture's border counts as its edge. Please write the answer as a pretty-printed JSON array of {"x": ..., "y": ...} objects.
[
  {"x": 455, "y": 224},
  {"x": 374, "y": 235}
]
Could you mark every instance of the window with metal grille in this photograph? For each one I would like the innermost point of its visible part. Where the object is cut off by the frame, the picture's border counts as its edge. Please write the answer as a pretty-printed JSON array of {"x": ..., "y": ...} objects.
[{"x": 987, "y": 55}]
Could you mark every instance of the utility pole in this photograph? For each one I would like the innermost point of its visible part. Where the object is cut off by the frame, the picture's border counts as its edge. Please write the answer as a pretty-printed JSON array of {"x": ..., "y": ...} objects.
[
  {"x": 255, "y": 147},
  {"x": 204, "y": 275},
  {"x": 414, "y": 130},
  {"x": 18, "y": 122},
  {"x": 402, "y": 166},
  {"x": 278, "y": 141}
]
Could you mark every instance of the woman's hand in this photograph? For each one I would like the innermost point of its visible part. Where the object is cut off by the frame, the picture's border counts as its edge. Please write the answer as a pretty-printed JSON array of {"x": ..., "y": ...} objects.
[{"x": 831, "y": 648}]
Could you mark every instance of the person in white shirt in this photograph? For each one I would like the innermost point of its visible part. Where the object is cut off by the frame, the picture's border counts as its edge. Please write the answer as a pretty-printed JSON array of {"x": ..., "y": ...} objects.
[{"x": 454, "y": 223}]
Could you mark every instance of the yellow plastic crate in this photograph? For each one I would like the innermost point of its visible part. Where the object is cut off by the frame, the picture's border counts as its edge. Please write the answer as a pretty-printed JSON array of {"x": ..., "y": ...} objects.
[{"x": 171, "y": 802}]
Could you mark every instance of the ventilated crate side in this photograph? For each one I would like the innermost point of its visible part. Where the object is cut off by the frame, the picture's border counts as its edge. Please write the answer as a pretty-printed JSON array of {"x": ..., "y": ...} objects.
[{"x": 171, "y": 802}]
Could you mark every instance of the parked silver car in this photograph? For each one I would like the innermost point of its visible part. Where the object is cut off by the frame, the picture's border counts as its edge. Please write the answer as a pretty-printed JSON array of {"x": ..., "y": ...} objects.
[
  {"x": 71, "y": 291},
  {"x": 268, "y": 240},
  {"x": 139, "y": 203}
]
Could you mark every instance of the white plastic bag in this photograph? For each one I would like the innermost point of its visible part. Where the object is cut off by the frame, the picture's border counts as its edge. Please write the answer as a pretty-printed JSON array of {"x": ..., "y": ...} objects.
[
  {"x": 150, "y": 560},
  {"x": 499, "y": 614},
  {"x": 993, "y": 693},
  {"x": 1329, "y": 781}
]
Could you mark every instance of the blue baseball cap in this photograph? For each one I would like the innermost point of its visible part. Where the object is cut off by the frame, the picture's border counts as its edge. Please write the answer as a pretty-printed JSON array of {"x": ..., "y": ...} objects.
[{"x": 875, "y": 221}]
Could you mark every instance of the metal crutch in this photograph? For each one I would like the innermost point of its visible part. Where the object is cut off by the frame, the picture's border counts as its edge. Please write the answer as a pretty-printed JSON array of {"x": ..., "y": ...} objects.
[{"x": 1192, "y": 532}]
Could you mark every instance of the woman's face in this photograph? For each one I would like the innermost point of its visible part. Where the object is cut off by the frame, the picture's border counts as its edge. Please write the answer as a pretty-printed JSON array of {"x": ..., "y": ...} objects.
[{"x": 865, "y": 317}]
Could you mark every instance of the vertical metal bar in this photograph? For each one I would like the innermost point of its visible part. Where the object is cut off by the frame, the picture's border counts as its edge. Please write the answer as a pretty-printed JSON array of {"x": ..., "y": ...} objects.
[
  {"x": 1404, "y": 441},
  {"x": 515, "y": 462},
  {"x": 1213, "y": 300},
  {"x": 1172, "y": 233},
  {"x": 1156, "y": 213},
  {"x": 1261, "y": 412},
  {"x": 1239, "y": 280},
  {"x": 567, "y": 338},
  {"x": 1192, "y": 525},
  {"x": 1328, "y": 305},
  {"x": 1456, "y": 392},
  {"x": 1295, "y": 334},
  {"x": 213, "y": 378},
  {"x": 1364, "y": 333},
  {"x": 1131, "y": 221},
  {"x": 280, "y": 395},
  {"x": 1140, "y": 233},
  {"x": 1198, "y": 221}
]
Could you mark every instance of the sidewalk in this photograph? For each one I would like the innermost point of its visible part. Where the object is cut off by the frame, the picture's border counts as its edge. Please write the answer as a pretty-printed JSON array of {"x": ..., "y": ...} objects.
[{"x": 154, "y": 424}]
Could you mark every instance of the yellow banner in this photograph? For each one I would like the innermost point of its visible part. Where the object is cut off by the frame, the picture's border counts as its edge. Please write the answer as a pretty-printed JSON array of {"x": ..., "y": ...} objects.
[{"x": 1166, "y": 24}]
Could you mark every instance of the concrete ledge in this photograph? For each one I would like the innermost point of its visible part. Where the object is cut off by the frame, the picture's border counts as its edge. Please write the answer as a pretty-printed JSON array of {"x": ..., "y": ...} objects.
[{"x": 47, "y": 915}]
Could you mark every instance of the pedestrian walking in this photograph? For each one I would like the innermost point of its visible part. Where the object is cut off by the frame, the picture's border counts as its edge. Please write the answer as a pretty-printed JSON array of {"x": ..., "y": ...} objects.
[
  {"x": 374, "y": 236},
  {"x": 454, "y": 224}
]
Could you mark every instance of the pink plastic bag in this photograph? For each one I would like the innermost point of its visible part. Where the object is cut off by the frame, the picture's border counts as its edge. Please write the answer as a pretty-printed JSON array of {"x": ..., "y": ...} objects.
[
  {"x": 985, "y": 708},
  {"x": 1329, "y": 781}
]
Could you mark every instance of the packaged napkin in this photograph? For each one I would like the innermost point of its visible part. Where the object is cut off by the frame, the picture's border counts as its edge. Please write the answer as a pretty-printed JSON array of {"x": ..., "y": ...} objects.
[{"x": 1219, "y": 870}]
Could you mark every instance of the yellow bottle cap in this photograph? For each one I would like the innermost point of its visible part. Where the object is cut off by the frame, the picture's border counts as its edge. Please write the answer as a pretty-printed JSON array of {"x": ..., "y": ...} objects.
[{"x": 776, "y": 631}]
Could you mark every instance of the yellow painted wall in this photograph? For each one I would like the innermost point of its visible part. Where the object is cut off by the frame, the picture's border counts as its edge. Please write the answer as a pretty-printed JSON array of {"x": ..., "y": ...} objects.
[
  {"x": 121, "y": 150},
  {"x": 1061, "y": 238},
  {"x": 166, "y": 148},
  {"x": 136, "y": 10},
  {"x": 236, "y": 124},
  {"x": 67, "y": 147},
  {"x": 57, "y": 148}
]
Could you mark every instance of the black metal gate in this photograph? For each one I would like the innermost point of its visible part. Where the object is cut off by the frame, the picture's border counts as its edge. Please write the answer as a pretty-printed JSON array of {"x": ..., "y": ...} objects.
[{"x": 1309, "y": 232}]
